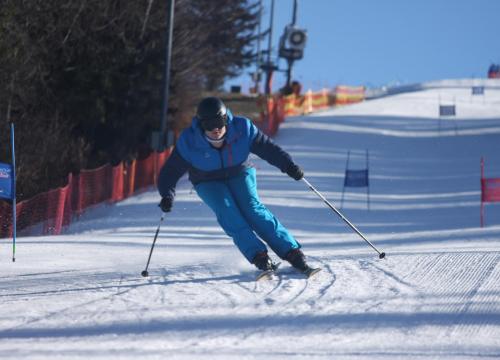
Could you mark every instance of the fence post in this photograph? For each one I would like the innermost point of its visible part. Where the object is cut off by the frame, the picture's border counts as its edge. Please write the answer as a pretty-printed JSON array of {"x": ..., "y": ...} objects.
[{"x": 482, "y": 190}]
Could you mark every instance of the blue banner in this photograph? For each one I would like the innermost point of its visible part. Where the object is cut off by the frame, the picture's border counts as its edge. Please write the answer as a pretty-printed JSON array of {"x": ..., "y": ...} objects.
[
  {"x": 356, "y": 178},
  {"x": 6, "y": 181}
]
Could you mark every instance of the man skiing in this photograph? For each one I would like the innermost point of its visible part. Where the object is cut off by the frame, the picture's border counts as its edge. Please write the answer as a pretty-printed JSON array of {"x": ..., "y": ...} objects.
[{"x": 215, "y": 150}]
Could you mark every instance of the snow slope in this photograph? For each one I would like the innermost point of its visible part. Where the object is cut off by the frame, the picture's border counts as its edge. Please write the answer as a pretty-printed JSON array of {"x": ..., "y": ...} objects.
[{"x": 436, "y": 295}]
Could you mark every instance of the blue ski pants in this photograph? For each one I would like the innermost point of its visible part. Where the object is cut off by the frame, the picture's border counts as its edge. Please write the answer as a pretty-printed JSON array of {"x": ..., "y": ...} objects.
[{"x": 240, "y": 213}]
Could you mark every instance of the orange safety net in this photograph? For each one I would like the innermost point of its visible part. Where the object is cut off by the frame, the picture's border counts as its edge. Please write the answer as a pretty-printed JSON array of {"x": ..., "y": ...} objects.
[
  {"x": 271, "y": 114},
  {"x": 49, "y": 212},
  {"x": 349, "y": 94},
  {"x": 305, "y": 104},
  {"x": 274, "y": 109}
]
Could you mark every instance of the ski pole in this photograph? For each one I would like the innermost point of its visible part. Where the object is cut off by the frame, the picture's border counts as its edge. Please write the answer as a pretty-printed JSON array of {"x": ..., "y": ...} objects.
[
  {"x": 145, "y": 271},
  {"x": 381, "y": 255}
]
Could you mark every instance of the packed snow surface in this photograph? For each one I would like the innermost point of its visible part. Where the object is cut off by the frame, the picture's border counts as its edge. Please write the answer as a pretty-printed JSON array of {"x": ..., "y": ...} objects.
[{"x": 436, "y": 295}]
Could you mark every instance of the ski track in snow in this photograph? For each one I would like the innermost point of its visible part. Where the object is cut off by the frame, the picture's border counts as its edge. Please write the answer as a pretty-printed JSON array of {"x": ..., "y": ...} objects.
[{"x": 436, "y": 295}]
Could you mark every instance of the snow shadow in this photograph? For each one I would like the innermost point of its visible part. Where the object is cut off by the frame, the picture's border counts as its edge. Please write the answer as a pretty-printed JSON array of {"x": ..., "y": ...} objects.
[{"x": 290, "y": 324}]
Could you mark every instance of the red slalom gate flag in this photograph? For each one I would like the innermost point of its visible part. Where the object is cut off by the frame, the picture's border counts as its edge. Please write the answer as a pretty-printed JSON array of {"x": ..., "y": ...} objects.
[{"x": 490, "y": 190}]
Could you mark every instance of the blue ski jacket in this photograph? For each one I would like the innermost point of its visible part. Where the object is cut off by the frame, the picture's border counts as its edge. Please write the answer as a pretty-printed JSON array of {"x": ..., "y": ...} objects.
[{"x": 194, "y": 154}]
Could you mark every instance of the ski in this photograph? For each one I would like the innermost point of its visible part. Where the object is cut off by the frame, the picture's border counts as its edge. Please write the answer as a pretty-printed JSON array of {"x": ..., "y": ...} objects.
[
  {"x": 268, "y": 274},
  {"x": 311, "y": 272}
]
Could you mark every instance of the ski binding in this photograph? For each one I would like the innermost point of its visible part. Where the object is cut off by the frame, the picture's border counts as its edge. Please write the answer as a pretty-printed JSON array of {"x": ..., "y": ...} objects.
[{"x": 268, "y": 274}]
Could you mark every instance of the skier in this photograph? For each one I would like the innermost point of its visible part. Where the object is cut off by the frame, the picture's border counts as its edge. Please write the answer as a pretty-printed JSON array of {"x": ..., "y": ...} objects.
[{"x": 215, "y": 150}]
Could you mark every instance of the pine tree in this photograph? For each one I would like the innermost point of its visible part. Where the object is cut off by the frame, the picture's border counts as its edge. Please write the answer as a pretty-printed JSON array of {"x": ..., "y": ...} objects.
[{"x": 83, "y": 80}]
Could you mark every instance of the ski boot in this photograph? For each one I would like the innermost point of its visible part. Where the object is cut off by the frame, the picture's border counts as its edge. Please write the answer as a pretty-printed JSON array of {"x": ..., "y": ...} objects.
[
  {"x": 264, "y": 263},
  {"x": 297, "y": 259}
]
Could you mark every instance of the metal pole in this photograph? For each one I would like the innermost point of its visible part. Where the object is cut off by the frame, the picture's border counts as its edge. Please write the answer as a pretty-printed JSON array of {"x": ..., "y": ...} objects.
[
  {"x": 367, "y": 181},
  {"x": 294, "y": 18},
  {"x": 345, "y": 178},
  {"x": 258, "y": 62},
  {"x": 482, "y": 190},
  {"x": 168, "y": 56},
  {"x": 145, "y": 272},
  {"x": 14, "y": 215},
  {"x": 289, "y": 73},
  {"x": 381, "y": 255},
  {"x": 269, "y": 70},
  {"x": 290, "y": 62}
]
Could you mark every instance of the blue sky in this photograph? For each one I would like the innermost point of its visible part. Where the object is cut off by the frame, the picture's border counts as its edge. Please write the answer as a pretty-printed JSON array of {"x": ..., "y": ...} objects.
[{"x": 383, "y": 42}]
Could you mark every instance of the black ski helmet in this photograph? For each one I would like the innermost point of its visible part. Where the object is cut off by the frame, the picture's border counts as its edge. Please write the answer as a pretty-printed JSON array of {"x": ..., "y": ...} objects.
[{"x": 211, "y": 113}]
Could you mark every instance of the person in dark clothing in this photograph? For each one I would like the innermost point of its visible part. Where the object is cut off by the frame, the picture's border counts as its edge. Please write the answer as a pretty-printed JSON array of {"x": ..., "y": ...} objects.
[{"x": 214, "y": 151}]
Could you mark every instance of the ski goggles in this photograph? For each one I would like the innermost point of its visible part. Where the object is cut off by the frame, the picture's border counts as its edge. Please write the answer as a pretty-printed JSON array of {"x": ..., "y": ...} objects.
[{"x": 213, "y": 123}]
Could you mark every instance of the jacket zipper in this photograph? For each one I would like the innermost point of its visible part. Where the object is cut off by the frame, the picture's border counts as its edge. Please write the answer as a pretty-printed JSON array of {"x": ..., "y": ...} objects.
[{"x": 221, "y": 157}]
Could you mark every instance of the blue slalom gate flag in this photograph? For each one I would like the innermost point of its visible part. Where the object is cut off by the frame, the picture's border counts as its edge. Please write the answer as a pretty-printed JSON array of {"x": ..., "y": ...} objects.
[
  {"x": 6, "y": 181},
  {"x": 478, "y": 90},
  {"x": 447, "y": 110},
  {"x": 356, "y": 178}
]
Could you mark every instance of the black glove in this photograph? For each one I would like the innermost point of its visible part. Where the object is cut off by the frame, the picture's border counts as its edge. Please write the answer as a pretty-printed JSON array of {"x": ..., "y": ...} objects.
[
  {"x": 295, "y": 172},
  {"x": 166, "y": 204}
]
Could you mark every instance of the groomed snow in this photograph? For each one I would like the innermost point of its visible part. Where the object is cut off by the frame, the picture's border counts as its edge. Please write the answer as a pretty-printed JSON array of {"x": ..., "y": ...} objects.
[{"x": 436, "y": 295}]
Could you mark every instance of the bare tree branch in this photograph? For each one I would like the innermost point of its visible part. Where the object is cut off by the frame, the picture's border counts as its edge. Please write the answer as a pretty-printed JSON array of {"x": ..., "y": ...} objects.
[
  {"x": 146, "y": 17},
  {"x": 82, "y": 6}
]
